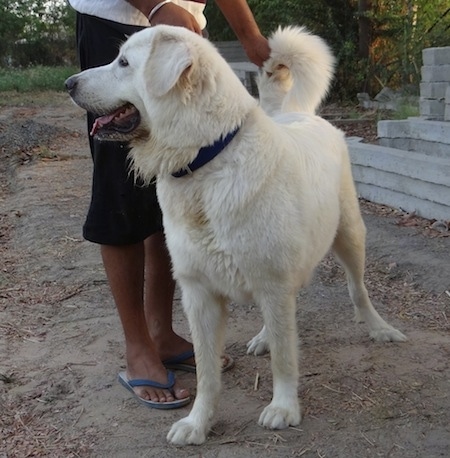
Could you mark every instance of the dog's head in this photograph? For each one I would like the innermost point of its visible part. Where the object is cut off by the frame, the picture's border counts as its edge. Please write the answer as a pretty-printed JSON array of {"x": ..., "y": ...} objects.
[{"x": 167, "y": 84}]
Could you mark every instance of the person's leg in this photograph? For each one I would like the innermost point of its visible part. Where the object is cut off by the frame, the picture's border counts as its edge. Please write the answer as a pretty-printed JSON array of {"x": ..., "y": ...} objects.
[
  {"x": 159, "y": 292},
  {"x": 124, "y": 266},
  {"x": 120, "y": 217},
  {"x": 158, "y": 302}
]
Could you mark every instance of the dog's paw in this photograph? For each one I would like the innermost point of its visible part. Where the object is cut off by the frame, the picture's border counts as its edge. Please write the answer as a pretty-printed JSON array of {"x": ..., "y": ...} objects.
[
  {"x": 388, "y": 334},
  {"x": 275, "y": 417},
  {"x": 357, "y": 318},
  {"x": 185, "y": 432},
  {"x": 258, "y": 345}
]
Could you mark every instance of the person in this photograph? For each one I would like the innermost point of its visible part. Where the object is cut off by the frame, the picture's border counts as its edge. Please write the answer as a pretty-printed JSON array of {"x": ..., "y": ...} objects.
[{"x": 124, "y": 217}]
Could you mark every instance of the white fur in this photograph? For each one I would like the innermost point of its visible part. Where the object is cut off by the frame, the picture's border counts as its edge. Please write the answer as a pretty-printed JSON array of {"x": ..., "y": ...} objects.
[
  {"x": 296, "y": 54},
  {"x": 253, "y": 223}
]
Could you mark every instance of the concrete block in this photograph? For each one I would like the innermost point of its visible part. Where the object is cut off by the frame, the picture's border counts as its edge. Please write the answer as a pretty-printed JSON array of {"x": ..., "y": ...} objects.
[
  {"x": 394, "y": 129},
  {"x": 412, "y": 187},
  {"x": 431, "y": 109},
  {"x": 433, "y": 90},
  {"x": 397, "y": 143},
  {"x": 247, "y": 73},
  {"x": 435, "y": 73},
  {"x": 447, "y": 113},
  {"x": 410, "y": 169},
  {"x": 404, "y": 163},
  {"x": 415, "y": 128},
  {"x": 436, "y": 56},
  {"x": 404, "y": 202},
  {"x": 427, "y": 148},
  {"x": 244, "y": 66},
  {"x": 231, "y": 51},
  {"x": 447, "y": 104},
  {"x": 402, "y": 179}
]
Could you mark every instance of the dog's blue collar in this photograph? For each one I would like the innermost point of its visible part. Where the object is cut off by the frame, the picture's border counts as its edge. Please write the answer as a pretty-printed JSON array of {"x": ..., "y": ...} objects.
[{"x": 206, "y": 154}]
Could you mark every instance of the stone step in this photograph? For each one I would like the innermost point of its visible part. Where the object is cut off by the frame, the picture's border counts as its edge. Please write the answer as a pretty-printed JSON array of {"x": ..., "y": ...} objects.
[{"x": 407, "y": 180}]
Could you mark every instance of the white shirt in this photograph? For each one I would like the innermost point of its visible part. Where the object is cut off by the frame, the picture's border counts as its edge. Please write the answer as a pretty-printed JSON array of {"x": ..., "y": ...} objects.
[{"x": 121, "y": 11}]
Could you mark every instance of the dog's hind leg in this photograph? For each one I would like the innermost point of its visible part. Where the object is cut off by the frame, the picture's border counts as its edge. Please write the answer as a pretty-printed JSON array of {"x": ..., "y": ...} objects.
[
  {"x": 281, "y": 330},
  {"x": 258, "y": 345},
  {"x": 207, "y": 316},
  {"x": 349, "y": 247}
]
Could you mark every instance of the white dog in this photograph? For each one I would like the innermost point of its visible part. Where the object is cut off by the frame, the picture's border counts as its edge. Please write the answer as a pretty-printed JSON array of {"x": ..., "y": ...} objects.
[{"x": 251, "y": 202}]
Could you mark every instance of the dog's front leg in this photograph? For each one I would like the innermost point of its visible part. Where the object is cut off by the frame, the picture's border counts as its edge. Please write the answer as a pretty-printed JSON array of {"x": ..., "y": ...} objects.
[
  {"x": 206, "y": 313},
  {"x": 281, "y": 331}
]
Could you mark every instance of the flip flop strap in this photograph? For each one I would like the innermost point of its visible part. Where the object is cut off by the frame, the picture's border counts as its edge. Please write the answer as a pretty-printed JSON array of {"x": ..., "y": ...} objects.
[
  {"x": 143, "y": 382},
  {"x": 179, "y": 358}
]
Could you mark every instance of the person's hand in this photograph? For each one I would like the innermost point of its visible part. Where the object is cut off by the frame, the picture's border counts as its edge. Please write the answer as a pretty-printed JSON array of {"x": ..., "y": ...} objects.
[
  {"x": 171, "y": 14},
  {"x": 257, "y": 49}
]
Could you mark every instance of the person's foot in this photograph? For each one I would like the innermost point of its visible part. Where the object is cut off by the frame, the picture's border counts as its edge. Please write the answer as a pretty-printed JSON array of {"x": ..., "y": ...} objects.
[
  {"x": 176, "y": 347},
  {"x": 146, "y": 367},
  {"x": 131, "y": 384}
]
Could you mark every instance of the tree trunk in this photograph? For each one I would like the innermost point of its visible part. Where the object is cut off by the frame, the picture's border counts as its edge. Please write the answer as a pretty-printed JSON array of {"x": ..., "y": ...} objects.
[{"x": 365, "y": 28}]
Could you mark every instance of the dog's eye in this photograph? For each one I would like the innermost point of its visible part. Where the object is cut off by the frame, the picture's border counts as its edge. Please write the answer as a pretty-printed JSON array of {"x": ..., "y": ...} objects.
[{"x": 123, "y": 62}]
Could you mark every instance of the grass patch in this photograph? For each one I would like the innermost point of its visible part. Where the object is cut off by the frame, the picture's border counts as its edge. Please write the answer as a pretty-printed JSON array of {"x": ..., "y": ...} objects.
[
  {"x": 32, "y": 98},
  {"x": 34, "y": 79},
  {"x": 406, "y": 110}
]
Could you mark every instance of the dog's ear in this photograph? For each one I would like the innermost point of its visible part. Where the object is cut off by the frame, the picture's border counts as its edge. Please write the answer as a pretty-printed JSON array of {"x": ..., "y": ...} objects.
[{"x": 169, "y": 59}]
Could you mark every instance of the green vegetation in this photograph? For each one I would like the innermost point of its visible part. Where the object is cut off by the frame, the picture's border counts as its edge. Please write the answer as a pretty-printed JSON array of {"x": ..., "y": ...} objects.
[
  {"x": 405, "y": 110},
  {"x": 377, "y": 43},
  {"x": 38, "y": 78},
  {"x": 38, "y": 32}
]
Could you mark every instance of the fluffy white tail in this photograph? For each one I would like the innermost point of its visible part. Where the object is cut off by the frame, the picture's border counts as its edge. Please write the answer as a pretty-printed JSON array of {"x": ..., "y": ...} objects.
[{"x": 298, "y": 73}]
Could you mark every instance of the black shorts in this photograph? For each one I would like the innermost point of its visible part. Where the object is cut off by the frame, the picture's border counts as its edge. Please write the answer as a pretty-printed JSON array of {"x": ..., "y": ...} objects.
[{"x": 121, "y": 211}]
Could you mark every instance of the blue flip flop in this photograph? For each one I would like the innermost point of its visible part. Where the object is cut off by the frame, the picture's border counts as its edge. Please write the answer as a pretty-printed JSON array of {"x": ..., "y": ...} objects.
[
  {"x": 177, "y": 362},
  {"x": 130, "y": 384}
]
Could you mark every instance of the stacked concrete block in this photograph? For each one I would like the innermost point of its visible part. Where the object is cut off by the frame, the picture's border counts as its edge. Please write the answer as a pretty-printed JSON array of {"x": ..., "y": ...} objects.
[
  {"x": 435, "y": 81},
  {"x": 407, "y": 180},
  {"x": 410, "y": 168},
  {"x": 447, "y": 104},
  {"x": 431, "y": 138}
]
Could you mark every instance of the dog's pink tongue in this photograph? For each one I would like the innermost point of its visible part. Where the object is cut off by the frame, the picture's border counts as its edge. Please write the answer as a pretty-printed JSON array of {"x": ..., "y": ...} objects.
[{"x": 102, "y": 121}]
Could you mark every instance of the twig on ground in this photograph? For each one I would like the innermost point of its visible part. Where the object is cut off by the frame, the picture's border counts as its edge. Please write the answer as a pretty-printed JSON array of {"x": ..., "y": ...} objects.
[{"x": 256, "y": 384}]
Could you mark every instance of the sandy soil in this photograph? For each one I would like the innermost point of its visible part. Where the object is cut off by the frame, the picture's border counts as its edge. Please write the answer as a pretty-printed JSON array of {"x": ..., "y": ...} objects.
[{"x": 61, "y": 345}]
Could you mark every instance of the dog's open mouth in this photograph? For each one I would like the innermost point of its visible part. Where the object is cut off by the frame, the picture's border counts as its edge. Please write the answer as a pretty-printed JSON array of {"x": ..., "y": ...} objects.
[{"x": 124, "y": 120}]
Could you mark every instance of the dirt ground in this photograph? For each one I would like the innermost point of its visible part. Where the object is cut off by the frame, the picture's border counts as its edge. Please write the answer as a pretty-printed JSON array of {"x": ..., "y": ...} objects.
[{"x": 61, "y": 344}]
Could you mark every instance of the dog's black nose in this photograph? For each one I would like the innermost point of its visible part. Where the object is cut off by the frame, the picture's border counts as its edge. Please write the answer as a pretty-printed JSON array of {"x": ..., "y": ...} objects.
[{"x": 71, "y": 84}]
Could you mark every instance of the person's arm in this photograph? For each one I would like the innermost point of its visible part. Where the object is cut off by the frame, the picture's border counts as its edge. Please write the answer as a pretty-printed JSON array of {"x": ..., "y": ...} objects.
[
  {"x": 241, "y": 20},
  {"x": 168, "y": 13},
  {"x": 236, "y": 12}
]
